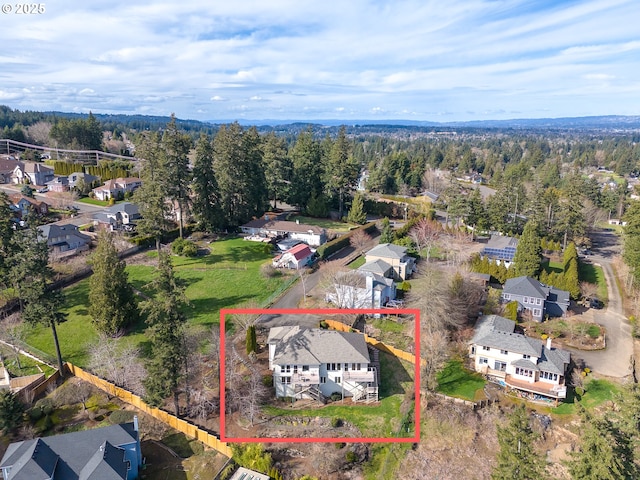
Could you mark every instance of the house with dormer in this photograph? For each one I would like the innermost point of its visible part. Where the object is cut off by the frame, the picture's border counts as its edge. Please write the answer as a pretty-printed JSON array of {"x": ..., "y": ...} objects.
[
  {"x": 32, "y": 173},
  {"x": 399, "y": 262},
  {"x": 101, "y": 453},
  {"x": 117, "y": 188},
  {"x": 64, "y": 240},
  {"x": 315, "y": 363},
  {"x": 536, "y": 298},
  {"x": 517, "y": 361}
]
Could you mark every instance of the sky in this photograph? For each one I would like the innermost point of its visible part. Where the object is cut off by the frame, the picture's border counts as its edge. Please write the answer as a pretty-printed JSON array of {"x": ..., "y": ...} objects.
[{"x": 444, "y": 60}]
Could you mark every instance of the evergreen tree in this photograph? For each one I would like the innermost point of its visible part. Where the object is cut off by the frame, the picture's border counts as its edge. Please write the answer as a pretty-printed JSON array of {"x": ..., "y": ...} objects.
[
  {"x": 307, "y": 169},
  {"x": 517, "y": 458},
  {"x": 357, "y": 213},
  {"x": 386, "y": 236},
  {"x": 571, "y": 223},
  {"x": 570, "y": 279},
  {"x": 151, "y": 196},
  {"x": 277, "y": 167},
  {"x": 166, "y": 332},
  {"x": 341, "y": 172},
  {"x": 606, "y": 451},
  {"x": 112, "y": 303},
  {"x": 528, "y": 253},
  {"x": 317, "y": 206},
  {"x": 631, "y": 238},
  {"x": 252, "y": 342},
  {"x": 11, "y": 412},
  {"x": 176, "y": 146},
  {"x": 6, "y": 235},
  {"x": 206, "y": 195}
]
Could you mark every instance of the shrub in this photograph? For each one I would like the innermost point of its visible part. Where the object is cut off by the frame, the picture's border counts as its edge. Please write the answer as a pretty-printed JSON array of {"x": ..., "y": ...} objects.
[
  {"x": 267, "y": 248},
  {"x": 335, "y": 421},
  {"x": 340, "y": 445},
  {"x": 350, "y": 456},
  {"x": 45, "y": 405},
  {"x": 326, "y": 250},
  {"x": 335, "y": 396},
  {"x": 324, "y": 325},
  {"x": 35, "y": 414},
  {"x": 121, "y": 416},
  {"x": 269, "y": 271},
  {"x": 190, "y": 249}
]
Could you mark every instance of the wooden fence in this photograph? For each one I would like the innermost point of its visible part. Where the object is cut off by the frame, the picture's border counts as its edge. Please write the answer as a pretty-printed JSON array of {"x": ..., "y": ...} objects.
[
  {"x": 174, "y": 422},
  {"x": 409, "y": 357}
]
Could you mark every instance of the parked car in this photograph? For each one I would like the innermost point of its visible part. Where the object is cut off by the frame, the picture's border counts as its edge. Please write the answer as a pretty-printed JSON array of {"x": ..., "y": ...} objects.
[
  {"x": 43, "y": 190},
  {"x": 595, "y": 303}
]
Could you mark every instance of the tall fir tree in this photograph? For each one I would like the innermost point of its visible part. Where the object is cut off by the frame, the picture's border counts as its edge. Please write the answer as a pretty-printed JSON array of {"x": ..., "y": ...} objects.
[
  {"x": 277, "y": 167},
  {"x": 526, "y": 261},
  {"x": 386, "y": 236},
  {"x": 166, "y": 331},
  {"x": 570, "y": 279},
  {"x": 570, "y": 218},
  {"x": 7, "y": 246},
  {"x": 341, "y": 170},
  {"x": 176, "y": 146},
  {"x": 517, "y": 458},
  {"x": 306, "y": 179},
  {"x": 112, "y": 302},
  {"x": 631, "y": 240},
  {"x": 11, "y": 412},
  {"x": 357, "y": 213},
  {"x": 206, "y": 194}
]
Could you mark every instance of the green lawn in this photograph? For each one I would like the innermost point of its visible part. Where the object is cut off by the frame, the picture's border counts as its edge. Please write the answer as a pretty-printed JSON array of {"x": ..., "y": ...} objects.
[
  {"x": 587, "y": 272},
  {"x": 28, "y": 366},
  {"x": 94, "y": 201},
  {"x": 357, "y": 263},
  {"x": 596, "y": 393},
  {"x": 228, "y": 277},
  {"x": 456, "y": 381},
  {"x": 324, "y": 223}
]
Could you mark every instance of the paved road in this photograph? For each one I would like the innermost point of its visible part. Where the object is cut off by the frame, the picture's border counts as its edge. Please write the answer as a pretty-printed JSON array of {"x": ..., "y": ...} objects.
[{"x": 614, "y": 361}]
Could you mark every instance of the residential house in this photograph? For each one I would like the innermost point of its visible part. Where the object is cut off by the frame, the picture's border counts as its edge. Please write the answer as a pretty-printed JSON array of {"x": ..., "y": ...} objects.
[
  {"x": 117, "y": 187},
  {"x": 75, "y": 177},
  {"x": 23, "y": 205},
  {"x": 265, "y": 227},
  {"x": 101, "y": 453},
  {"x": 535, "y": 297},
  {"x": 500, "y": 249},
  {"x": 395, "y": 256},
  {"x": 65, "y": 239},
  {"x": 517, "y": 361},
  {"x": 361, "y": 289},
  {"x": 32, "y": 173},
  {"x": 297, "y": 257},
  {"x": 59, "y": 184},
  {"x": 246, "y": 474},
  {"x": 8, "y": 164},
  {"x": 119, "y": 216},
  {"x": 315, "y": 363}
]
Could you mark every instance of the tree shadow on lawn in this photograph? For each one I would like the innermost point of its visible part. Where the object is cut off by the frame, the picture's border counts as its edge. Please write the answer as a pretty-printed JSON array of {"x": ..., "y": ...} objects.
[{"x": 392, "y": 375}]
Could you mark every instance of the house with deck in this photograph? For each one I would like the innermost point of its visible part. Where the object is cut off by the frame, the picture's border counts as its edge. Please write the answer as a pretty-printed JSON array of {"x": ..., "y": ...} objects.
[
  {"x": 64, "y": 240},
  {"x": 266, "y": 227},
  {"x": 295, "y": 258},
  {"x": 315, "y": 363},
  {"x": 523, "y": 363},
  {"x": 536, "y": 298},
  {"x": 101, "y": 453}
]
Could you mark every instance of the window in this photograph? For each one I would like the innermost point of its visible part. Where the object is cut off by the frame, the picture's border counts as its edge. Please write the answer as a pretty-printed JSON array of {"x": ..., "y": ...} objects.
[
  {"x": 525, "y": 299},
  {"x": 536, "y": 312},
  {"x": 501, "y": 366},
  {"x": 538, "y": 301},
  {"x": 332, "y": 367},
  {"x": 286, "y": 368},
  {"x": 526, "y": 356},
  {"x": 337, "y": 380},
  {"x": 285, "y": 380},
  {"x": 506, "y": 296},
  {"x": 483, "y": 361},
  {"x": 504, "y": 352},
  {"x": 355, "y": 366},
  {"x": 485, "y": 348},
  {"x": 305, "y": 368},
  {"x": 295, "y": 369},
  {"x": 323, "y": 379},
  {"x": 346, "y": 367}
]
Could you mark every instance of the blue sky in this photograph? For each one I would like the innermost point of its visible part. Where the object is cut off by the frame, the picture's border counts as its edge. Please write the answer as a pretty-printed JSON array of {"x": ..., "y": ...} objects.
[{"x": 333, "y": 59}]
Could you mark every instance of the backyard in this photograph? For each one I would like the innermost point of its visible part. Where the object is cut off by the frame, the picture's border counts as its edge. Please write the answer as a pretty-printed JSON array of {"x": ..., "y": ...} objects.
[
  {"x": 228, "y": 277},
  {"x": 456, "y": 381}
]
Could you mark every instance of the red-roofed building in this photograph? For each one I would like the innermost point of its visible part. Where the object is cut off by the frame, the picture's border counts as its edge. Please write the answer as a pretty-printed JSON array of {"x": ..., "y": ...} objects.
[{"x": 297, "y": 257}]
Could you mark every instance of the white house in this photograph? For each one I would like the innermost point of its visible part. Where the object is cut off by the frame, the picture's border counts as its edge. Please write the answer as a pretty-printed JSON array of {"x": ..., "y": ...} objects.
[
  {"x": 309, "y": 234},
  {"x": 33, "y": 173},
  {"x": 361, "y": 289},
  {"x": 520, "y": 362},
  {"x": 315, "y": 363},
  {"x": 395, "y": 256},
  {"x": 116, "y": 187},
  {"x": 297, "y": 257}
]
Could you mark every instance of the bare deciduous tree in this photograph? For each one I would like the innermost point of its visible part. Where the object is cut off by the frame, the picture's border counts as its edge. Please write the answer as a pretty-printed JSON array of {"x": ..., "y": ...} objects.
[
  {"x": 359, "y": 240},
  {"x": 243, "y": 321},
  {"x": 63, "y": 199},
  {"x": 254, "y": 395},
  {"x": 39, "y": 132},
  {"x": 343, "y": 287},
  {"x": 118, "y": 363},
  {"x": 588, "y": 290},
  {"x": 12, "y": 331},
  {"x": 425, "y": 234}
]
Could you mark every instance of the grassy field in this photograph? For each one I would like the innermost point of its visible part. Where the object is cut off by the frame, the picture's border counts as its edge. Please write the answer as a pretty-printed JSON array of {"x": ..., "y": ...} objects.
[
  {"x": 94, "y": 201},
  {"x": 596, "y": 393},
  {"x": 324, "y": 223},
  {"x": 456, "y": 381},
  {"x": 228, "y": 277},
  {"x": 587, "y": 272},
  {"x": 357, "y": 263},
  {"x": 28, "y": 366}
]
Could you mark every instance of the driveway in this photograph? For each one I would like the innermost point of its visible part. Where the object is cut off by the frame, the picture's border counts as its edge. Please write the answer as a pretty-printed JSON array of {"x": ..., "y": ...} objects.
[{"x": 615, "y": 359}]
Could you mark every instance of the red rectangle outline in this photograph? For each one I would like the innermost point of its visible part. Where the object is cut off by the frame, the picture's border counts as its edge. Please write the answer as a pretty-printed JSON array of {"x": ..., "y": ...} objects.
[{"x": 320, "y": 311}]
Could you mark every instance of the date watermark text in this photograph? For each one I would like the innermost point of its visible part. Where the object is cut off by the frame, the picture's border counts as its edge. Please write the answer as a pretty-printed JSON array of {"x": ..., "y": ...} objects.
[{"x": 23, "y": 8}]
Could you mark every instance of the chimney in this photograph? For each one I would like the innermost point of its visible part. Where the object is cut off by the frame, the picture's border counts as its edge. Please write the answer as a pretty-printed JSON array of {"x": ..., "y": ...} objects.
[
  {"x": 297, "y": 221},
  {"x": 135, "y": 423},
  {"x": 549, "y": 343}
]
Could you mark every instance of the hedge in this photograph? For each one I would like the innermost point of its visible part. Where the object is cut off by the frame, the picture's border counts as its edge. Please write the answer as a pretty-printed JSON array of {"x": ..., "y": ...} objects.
[{"x": 329, "y": 248}]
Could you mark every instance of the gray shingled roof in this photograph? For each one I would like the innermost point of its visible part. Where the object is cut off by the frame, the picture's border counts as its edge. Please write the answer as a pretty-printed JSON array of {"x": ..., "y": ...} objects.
[
  {"x": 524, "y": 363},
  {"x": 296, "y": 345},
  {"x": 72, "y": 452},
  {"x": 376, "y": 266},
  {"x": 554, "y": 360},
  {"x": 108, "y": 463},
  {"x": 526, "y": 286},
  {"x": 501, "y": 241},
  {"x": 388, "y": 250},
  {"x": 128, "y": 207}
]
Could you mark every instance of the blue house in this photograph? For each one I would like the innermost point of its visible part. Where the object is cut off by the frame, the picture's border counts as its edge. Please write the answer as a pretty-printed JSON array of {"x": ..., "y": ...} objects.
[{"x": 111, "y": 453}]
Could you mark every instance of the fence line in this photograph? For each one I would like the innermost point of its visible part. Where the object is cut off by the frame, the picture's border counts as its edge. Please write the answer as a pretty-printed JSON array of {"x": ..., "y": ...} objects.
[
  {"x": 174, "y": 422},
  {"x": 409, "y": 357}
]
